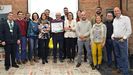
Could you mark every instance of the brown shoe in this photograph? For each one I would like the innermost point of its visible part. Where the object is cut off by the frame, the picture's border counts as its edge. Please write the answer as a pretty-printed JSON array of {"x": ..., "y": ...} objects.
[
  {"x": 78, "y": 65},
  {"x": 24, "y": 62},
  {"x": 32, "y": 62},
  {"x": 36, "y": 59},
  {"x": 18, "y": 62},
  {"x": 116, "y": 72}
]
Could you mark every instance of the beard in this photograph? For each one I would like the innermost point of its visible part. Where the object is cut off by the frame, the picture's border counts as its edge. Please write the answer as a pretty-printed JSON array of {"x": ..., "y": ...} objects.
[
  {"x": 109, "y": 20},
  {"x": 83, "y": 19},
  {"x": 98, "y": 12}
]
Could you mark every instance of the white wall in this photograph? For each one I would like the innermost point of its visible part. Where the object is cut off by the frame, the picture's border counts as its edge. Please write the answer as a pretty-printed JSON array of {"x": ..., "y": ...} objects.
[{"x": 54, "y": 5}]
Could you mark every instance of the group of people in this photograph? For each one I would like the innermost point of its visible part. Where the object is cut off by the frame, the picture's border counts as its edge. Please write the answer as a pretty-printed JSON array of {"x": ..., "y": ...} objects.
[{"x": 90, "y": 36}]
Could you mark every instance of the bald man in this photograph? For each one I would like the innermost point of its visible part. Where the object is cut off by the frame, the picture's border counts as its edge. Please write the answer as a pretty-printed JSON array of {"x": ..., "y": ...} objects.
[
  {"x": 57, "y": 30},
  {"x": 83, "y": 29},
  {"x": 121, "y": 32}
]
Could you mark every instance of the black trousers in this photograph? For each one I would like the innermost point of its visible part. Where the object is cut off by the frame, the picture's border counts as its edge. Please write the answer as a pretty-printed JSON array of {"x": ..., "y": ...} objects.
[
  {"x": 64, "y": 49},
  {"x": 44, "y": 48},
  {"x": 39, "y": 48},
  {"x": 10, "y": 52},
  {"x": 70, "y": 47}
]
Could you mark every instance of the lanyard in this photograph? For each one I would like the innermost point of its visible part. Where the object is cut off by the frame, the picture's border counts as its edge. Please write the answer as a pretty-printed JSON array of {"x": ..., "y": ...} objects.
[{"x": 11, "y": 27}]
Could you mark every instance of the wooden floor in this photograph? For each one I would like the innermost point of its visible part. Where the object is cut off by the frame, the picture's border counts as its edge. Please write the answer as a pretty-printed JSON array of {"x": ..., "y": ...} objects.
[{"x": 50, "y": 68}]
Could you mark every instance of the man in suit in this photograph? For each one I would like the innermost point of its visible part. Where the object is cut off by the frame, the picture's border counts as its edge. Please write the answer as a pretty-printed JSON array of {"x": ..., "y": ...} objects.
[{"x": 10, "y": 37}]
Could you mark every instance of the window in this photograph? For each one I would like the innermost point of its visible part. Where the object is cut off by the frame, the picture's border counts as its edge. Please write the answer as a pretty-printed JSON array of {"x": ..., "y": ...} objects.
[{"x": 53, "y": 5}]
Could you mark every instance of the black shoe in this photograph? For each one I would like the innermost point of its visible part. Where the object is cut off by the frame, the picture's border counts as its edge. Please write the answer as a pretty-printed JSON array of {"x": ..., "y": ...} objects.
[
  {"x": 6, "y": 68},
  {"x": 64, "y": 58},
  {"x": 18, "y": 62},
  {"x": 61, "y": 60},
  {"x": 55, "y": 60},
  {"x": 72, "y": 60},
  {"x": 43, "y": 62},
  {"x": 91, "y": 64},
  {"x": 69, "y": 61},
  {"x": 110, "y": 65},
  {"x": 93, "y": 67},
  {"x": 85, "y": 60},
  {"x": 16, "y": 66},
  {"x": 118, "y": 71},
  {"x": 24, "y": 62},
  {"x": 98, "y": 67},
  {"x": 46, "y": 61},
  {"x": 78, "y": 65}
]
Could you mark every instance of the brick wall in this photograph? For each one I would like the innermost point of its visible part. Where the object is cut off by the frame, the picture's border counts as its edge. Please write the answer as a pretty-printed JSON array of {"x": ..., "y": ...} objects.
[
  {"x": 16, "y": 5},
  {"x": 128, "y": 10},
  {"x": 90, "y": 5}
]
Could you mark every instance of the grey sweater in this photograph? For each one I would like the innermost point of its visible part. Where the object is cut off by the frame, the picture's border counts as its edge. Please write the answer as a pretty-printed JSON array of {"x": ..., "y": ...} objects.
[{"x": 83, "y": 28}]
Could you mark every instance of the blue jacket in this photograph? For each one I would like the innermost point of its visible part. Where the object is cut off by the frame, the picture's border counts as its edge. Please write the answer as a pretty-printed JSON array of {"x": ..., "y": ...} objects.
[{"x": 33, "y": 29}]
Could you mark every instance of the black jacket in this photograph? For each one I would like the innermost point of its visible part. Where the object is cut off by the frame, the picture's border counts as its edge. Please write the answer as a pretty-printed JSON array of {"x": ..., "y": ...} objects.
[
  {"x": 7, "y": 36},
  {"x": 109, "y": 26}
]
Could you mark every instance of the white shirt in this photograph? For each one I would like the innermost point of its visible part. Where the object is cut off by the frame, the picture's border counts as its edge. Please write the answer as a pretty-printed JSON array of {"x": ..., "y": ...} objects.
[
  {"x": 9, "y": 23},
  {"x": 68, "y": 33},
  {"x": 122, "y": 27}
]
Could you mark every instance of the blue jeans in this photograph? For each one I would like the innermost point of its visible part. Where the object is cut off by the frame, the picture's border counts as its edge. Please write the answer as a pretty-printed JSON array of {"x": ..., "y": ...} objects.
[
  {"x": 109, "y": 50},
  {"x": 121, "y": 51},
  {"x": 33, "y": 47},
  {"x": 58, "y": 38},
  {"x": 80, "y": 48},
  {"x": 18, "y": 53},
  {"x": 21, "y": 55},
  {"x": 23, "y": 48}
]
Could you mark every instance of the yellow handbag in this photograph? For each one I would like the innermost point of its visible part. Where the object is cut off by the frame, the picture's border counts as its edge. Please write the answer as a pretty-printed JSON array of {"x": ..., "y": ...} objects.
[{"x": 50, "y": 45}]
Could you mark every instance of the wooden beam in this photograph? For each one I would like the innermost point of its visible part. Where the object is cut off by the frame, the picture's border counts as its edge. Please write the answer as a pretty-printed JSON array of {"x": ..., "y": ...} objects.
[
  {"x": 127, "y": 5},
  {"x": 99, "y": 3},
  {"x": 121, "y": 5}
]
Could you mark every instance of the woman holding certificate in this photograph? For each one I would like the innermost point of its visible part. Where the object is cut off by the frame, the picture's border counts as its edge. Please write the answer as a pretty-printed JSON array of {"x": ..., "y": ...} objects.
[{"x": 70, "y": 36}]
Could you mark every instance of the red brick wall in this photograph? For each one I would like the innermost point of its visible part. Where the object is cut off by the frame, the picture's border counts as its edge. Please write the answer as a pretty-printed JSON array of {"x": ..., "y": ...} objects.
[
  {"x": 90, "y": 5},
  {"x": 128, "y": 10}
]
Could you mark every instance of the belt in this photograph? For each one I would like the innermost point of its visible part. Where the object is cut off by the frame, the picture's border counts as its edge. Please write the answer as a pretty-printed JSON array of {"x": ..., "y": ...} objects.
[{"x": 118, "y": 38}]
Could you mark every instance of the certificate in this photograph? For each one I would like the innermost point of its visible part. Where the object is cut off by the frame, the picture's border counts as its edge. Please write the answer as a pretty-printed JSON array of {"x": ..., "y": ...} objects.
[{"x": 57, "y": 27}]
